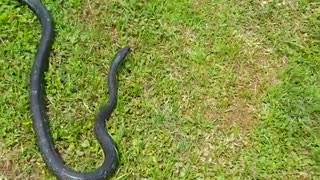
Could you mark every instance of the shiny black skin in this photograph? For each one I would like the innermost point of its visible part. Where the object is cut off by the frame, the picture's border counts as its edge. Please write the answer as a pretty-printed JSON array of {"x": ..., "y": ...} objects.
[{"x": 38, "y": 107}]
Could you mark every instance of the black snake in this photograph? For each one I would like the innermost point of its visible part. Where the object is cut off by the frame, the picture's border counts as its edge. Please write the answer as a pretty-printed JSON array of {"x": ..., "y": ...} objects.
[{"x": 38, "y": 109}]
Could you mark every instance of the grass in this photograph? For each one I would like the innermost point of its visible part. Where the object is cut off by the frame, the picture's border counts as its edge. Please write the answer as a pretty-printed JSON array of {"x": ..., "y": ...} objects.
[{"x": 212, "y": 90}]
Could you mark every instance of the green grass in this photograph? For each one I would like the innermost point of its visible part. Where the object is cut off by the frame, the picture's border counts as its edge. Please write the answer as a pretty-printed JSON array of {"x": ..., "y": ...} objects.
[{"x": 212, "y": 90}]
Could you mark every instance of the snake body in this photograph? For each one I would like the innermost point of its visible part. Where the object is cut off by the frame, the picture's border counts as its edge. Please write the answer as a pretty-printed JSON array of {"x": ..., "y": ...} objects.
[{"x": 44, "y": 140}]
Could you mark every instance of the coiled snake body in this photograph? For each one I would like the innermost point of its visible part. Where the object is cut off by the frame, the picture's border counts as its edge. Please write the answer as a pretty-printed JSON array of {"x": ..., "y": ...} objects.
[{"x": 41, "y": 128}]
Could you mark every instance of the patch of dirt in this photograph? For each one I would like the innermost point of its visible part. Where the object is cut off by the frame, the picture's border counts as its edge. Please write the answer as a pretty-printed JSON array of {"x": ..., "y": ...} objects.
[
  {"x": 240, "y": 113},
  {"x": 218, "y": 152},
  {"x": 8, "y": 164},
  {"x": 93, "y": 9},
  {"x": 114, "y": 35},
  {"x": 256, "y": 70},
  {"x": 103, "y": 24},
  {"x": 11, "y": 166},
  {"x": 254, "y": 75}
]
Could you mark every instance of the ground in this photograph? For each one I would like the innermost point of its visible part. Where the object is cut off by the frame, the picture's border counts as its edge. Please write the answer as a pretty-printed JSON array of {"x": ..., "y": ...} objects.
[{"x": 212, "y": 89}]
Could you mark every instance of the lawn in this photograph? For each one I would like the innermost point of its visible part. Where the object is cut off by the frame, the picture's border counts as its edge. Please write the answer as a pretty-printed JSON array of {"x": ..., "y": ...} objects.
[{"x": 223, "y": 89}]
